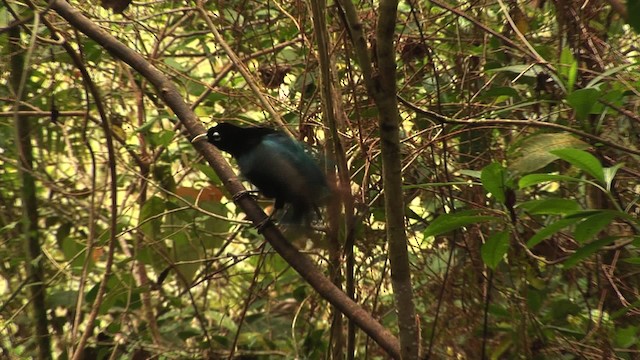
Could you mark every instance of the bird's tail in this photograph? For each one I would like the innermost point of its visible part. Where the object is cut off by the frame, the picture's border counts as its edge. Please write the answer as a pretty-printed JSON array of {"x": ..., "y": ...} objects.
[{"x": 302, "y": 215}]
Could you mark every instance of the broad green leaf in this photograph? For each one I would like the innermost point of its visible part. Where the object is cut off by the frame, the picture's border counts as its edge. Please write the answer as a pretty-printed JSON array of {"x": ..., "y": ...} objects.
[
  {"x": 499, "y": 349},
  {"x": 633, "y": 11},
  {"x": 550, "y": 206},
  {"x": 632, "y": 260},
  {"x": 534, "y": 299},
  {"x": 533, "y": 152},
  {"x": 63, "y": 232},
  {"x": 188, "y": 333},
  {"x": 494, "y": 178},
  {"x": 551, "y": 229},
  {"x": 494, "y": 249},
  {"x": 150, "y": 217},
  {"x": 522, "y": 70},
  {"x": 610, "y": 173},
  {"x": 62, "y": 298},
  {"x": 573, "y": 74},
  {"x": 531, "y": 71},
  {"x": 582, "y": 160},
  {"x": 209, "y": 172},
  {"x": 10, "y": 226},
  {"x": 164, "y": 137},
  {"x": 186, "y": 253},
  {"x": 194, "y": 88},
  {"x": 121, "y": 292},
  {"x": 499, "y": 311},
  {"x": 175, "y": 64},
  {"x": 535, "y": 179},
  {"x": 626, "y": 337},
  {"x": 500, "y": 94},
  {"x": 587, "y": 251},
  {"x": 448, "y": 222},
  {"x": 568, "y": 68},
  {"x": 147, "y": 125},
  {"x": 582, "y": 214},
  {"x": 149, "y": 255},
  {"x": 305, "y": 85},
  {"x": 583, "y": 101},
  {"x": 163, "y": 174},
  {"x": 609, "y": 72},
  {"x": 220, "y": 340},
  {"x": 566, "y": 59},
  {"x": 73, "y": 251},
  {"x": 471, "y": 173},
  {"x": 592, "y": 225},
  {"x": 563, "y": 307}
]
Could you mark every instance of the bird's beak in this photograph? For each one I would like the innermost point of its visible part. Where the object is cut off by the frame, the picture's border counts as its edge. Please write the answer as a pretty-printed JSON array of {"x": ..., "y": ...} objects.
[{"x": 198, "y": 138}]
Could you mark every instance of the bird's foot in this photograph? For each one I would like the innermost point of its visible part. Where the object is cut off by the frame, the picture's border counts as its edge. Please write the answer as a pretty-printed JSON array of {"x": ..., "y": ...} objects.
[
  {"x": 263, "y": 224},
  {"x": 240, "y": 194}
]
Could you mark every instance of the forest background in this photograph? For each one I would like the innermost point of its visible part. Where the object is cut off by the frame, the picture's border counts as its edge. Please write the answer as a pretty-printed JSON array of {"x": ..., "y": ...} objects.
[{"x": 484, "y": 156}]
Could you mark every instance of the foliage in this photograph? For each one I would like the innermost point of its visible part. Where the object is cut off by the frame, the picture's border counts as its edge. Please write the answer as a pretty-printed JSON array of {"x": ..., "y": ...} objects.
[{"x": 522, "y": 201}]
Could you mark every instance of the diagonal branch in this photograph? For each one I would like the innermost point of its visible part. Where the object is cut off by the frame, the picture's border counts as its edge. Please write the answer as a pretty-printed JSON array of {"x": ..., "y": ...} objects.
[{"x": 170, "y": 95}]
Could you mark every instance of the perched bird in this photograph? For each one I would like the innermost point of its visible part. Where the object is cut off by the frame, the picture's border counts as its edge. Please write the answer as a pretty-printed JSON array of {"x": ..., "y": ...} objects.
[{"x": 279, "y": 166}]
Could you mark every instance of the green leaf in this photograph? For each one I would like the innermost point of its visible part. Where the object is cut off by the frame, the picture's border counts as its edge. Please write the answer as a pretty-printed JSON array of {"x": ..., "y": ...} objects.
[
  {"x": 550, "y": 206},
  {"x": 500, "y": 93},
  {"x": 573, "y": 74},
  {"x": 633, "y": 12},
  {"x": 209, "y": 172},
  {"x": 63, "y": 232},
  {"x": 165, "y": 137},
  {"x": 551, "y": 229},
  {"x": 534, "y": 179},
  {"x": 563, "y": 307},
  {"x": 632, "y": 260},
  {"x": 494, "y": 249},
  {"x": 448, "y": 222},
  {"x": 533, "y": 152},
  {"x": 587, "y": 251},
  {"x": 626, "y": 337},
  {"x": 72, "y": 251},
  {"x": 175, "y": 64},
  {"x": 583, "y": 101},
  {"x": 62, "y": 298},
  {"x": 147, "y": 125},
  {"x": 609, "y": 72},
  {"x": 568, "y": 68},
  {"x": 566, "y": 59},
  {"x": 471, "y": 173},
  {"x": 150, "y": 219},
  {"x": 521, "y": 70},
  {"x": 582, "y": 214},
  {"x": 610, "y": 173},
  {"x": 186, "y": 253},
  {"x": 494, "y": 178},
  {"x": 582, "y": 160},
  {"x": 535, "y": 299},
  {"x": 592, "y": 225}
]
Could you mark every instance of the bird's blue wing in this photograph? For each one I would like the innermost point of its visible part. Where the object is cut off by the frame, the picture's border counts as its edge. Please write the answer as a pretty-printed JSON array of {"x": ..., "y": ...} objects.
[
  {"x": 282, "y": 169},
  {"x": 296, "y": 153}
]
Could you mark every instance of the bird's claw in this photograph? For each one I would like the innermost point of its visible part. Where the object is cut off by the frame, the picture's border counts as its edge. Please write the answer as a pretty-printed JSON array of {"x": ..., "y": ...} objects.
[
  {"x": 263, "y": 224},
  {"x": 240, "y": 194}
]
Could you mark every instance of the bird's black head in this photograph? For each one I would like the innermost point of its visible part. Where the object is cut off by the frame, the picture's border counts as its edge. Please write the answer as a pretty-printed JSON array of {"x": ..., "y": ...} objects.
[
  {"x": 235, "y": 139},
  {"x": 223, "y": 136}
]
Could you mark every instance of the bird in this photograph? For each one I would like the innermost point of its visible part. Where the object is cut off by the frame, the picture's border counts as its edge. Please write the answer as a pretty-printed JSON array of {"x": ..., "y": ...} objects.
[{"x": 280, "y": 167}]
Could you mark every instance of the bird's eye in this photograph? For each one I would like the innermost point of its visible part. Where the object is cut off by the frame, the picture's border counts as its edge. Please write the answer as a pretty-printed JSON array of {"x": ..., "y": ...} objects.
[{"x": 216, "y": 136}]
